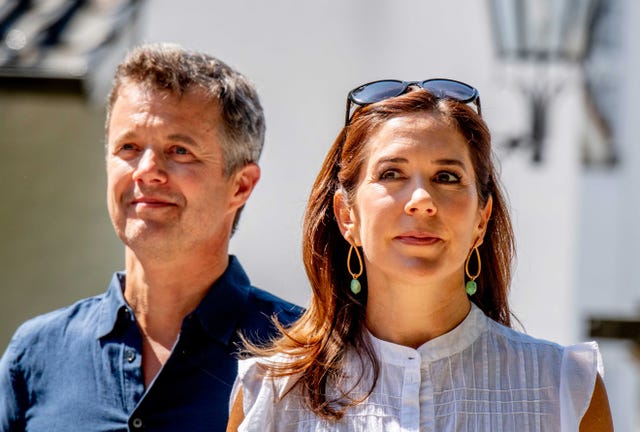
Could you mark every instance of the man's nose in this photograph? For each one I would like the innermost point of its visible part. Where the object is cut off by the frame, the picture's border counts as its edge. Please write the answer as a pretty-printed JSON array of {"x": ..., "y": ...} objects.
[{"x": 150, "y": 168}]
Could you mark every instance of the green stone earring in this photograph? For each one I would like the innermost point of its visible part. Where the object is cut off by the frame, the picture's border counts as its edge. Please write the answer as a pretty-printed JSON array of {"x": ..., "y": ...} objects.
[
  {"x": 471, "y": 287},
  {"x": 355, "y": 283}
]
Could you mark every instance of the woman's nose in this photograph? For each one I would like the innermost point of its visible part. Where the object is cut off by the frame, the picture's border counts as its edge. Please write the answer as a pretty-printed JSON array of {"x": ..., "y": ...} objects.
[
  {"x": 150, "y": 168},
  {"x": 420, "y": 202}
]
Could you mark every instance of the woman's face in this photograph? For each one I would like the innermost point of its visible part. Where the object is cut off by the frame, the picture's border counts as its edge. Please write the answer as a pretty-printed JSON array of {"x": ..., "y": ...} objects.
[{"x": 416, "y": 211}]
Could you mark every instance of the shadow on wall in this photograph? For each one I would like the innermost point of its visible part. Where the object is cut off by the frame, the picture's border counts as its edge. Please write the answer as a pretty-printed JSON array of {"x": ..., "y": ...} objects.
[{"x": 57, "y": 241}]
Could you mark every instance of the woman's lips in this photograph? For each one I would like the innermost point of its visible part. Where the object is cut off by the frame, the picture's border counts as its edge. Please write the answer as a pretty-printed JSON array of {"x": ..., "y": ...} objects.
[{"x": 418, "y": 239}]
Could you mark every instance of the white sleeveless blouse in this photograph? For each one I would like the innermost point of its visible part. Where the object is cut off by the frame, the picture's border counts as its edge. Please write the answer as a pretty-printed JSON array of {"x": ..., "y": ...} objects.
[{"x": 481, "y": 376}]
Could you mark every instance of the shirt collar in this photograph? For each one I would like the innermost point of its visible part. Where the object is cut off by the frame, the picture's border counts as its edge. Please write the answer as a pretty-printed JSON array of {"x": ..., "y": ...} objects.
[
  {"x": 223, "y": 306},
  {"x": 219, "y": 311},
  {"x": 113, "y": 306}
]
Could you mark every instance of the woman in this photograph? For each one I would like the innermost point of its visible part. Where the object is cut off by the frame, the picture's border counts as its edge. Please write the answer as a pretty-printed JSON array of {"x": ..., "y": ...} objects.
[{"x": 408, "y": 246}]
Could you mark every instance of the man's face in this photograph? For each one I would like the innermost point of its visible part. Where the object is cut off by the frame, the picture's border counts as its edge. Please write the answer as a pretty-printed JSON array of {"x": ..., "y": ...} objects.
[{"x": 167, "y": 193}]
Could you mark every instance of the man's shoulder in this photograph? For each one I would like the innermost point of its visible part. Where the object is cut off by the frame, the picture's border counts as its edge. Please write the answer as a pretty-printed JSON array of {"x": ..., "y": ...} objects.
[
  {"x": 267, "y": 304},
  {"x": 50, "y": 326},
  {"x": 258, "y": 305},
  {"x": 261, "y": 311}
]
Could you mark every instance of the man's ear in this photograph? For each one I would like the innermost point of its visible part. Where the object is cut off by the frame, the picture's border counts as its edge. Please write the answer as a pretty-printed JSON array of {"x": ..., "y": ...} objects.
[
  {"x": 345, "y": 218},
  {"x": 485, "y": 215},
  {"x": 244, "y": 181}
]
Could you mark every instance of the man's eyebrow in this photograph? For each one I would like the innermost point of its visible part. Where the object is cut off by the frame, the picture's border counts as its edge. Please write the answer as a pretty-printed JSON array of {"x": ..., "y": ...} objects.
[
  {"x": 130, "y": 135},
  {"x": 177, "y": 137},
  {"x": 183, "y": 138}
]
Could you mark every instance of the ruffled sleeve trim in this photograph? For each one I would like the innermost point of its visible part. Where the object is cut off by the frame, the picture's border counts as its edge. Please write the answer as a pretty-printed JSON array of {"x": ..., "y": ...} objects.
[
  {"x": 260, "y": 393},
  {"x": 580, "y": 364}
]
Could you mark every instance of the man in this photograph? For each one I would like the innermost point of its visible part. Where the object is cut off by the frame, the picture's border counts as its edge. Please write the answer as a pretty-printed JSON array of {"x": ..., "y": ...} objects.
[{"x": 156, "y": 351}]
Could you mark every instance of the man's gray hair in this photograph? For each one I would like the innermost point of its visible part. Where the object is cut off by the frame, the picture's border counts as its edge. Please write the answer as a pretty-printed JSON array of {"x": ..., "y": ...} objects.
[{"x": 177, "y": 70}]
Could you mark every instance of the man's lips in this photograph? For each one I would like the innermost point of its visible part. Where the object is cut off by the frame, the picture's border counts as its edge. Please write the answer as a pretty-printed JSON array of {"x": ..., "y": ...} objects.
[
  {"x": 418, "y": 238},
  {"x": 151, "y": 202}
]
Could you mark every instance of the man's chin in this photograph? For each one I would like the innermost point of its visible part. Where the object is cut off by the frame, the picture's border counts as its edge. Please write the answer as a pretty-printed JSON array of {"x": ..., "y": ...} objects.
[{"x": 146, "y": 233}]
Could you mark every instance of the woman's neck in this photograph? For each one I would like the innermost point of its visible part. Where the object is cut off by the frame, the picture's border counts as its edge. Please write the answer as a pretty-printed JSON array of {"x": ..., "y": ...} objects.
[{"x": 413, "y": 315}]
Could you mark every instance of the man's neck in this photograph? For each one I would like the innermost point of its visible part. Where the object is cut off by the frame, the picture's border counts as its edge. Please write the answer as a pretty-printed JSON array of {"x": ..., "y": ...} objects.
[{"x": 161, "y": 294}]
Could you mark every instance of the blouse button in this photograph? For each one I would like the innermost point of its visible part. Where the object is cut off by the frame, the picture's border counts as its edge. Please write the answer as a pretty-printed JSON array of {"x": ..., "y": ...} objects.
[
  {"x": 131, "y": 356},
  {"x": 136, "y": 423}
]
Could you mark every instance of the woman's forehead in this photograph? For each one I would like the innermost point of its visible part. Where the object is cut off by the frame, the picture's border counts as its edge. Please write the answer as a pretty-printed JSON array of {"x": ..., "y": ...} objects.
[{"x": 418, "y": 132}]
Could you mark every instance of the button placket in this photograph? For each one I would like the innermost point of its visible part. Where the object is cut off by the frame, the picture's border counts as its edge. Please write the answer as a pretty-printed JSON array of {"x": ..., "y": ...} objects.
[
  {"x": 410, "y": 410},
  {"x": 133, "y": 380}
]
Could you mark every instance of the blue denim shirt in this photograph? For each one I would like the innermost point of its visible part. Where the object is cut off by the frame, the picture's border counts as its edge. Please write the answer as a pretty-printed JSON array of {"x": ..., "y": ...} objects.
[{"x": 79, "y": 368}]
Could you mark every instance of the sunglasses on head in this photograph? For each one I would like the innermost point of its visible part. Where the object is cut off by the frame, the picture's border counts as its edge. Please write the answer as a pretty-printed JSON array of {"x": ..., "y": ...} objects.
[{"x": 441, "y": 88}]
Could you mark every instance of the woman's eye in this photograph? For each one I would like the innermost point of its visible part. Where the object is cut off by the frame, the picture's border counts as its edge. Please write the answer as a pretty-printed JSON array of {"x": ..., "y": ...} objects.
[
  {"x": 180, "y": 150},
  {"x": 127, "y": 147},
  {"x": 390, "y": 175},
  {"x": 447, "y": 177}
]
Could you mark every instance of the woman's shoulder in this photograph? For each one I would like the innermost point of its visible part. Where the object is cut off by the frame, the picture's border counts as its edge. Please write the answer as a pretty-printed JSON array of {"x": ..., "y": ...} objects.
[
  {"x": 583, "y": 357},
  {"x": 263, "y": 364},
  {"x": 261, "y": 376},
  {"x": 576, "y": 362},
  {"x": 264, "y": 387},
  {"x": 570, "y": 370},
  {"x": 511, "y": 336}
]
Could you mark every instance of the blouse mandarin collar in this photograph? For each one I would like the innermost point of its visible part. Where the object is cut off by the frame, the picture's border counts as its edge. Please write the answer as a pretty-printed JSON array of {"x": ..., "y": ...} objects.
[{"x": 456, "y": 340}]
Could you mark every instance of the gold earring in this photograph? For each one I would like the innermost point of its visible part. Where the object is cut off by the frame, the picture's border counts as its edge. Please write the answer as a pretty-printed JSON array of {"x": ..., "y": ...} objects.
[
  {"x": 355, "y": 283},
  {"x": 471, "y": 287}
]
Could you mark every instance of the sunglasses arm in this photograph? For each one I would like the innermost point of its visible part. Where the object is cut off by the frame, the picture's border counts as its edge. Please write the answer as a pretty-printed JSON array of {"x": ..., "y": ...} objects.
[{"x": 346, "y": 115}]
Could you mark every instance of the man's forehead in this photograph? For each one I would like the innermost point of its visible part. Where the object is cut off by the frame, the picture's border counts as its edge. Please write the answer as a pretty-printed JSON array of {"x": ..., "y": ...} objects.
[{"x": 140, "y": 101}]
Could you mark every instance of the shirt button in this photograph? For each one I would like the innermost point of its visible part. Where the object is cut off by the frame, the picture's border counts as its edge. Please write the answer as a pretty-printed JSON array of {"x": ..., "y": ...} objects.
[
  {"x": 136, "y": 423},
  {"x": 131, "y": 356}
]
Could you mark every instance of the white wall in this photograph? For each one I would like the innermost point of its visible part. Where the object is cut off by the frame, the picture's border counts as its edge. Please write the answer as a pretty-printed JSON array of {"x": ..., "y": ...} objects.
[
  {"x": 578, "y": 234},
  {"x": 306, "y": 56},
  {"x": 610, "y": 229}
]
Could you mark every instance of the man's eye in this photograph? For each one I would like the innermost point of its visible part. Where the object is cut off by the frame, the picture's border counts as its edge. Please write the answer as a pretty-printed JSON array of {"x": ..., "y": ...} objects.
[
  {"x": 128, "y": 147},
  {"x": 181, "y": 154}
]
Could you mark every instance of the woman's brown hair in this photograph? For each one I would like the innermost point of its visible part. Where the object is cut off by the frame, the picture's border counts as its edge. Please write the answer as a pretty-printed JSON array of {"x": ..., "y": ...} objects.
[{"x": 317, "y": 343}]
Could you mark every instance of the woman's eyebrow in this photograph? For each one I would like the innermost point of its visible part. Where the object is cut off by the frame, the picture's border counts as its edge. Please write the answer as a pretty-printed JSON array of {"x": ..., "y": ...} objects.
[
  {"x": 456, "y": 162},
  {"x": 392, "y": 160}
]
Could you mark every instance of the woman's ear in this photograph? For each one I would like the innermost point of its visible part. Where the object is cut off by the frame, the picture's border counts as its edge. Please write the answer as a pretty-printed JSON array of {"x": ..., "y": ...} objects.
[
  {"x": 483, "y": 222},
  {"x": 345, "y": 217}
]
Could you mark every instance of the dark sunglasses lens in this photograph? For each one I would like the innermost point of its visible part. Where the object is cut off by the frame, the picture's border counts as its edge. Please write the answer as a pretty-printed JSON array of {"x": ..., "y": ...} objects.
[
  {"x": 450, "y": 89},
  {"x": 377, "y": 91}
]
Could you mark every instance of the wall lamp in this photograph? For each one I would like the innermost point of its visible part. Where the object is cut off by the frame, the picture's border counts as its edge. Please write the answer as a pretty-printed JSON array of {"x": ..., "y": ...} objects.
[{"x": 541, "y": 34}]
